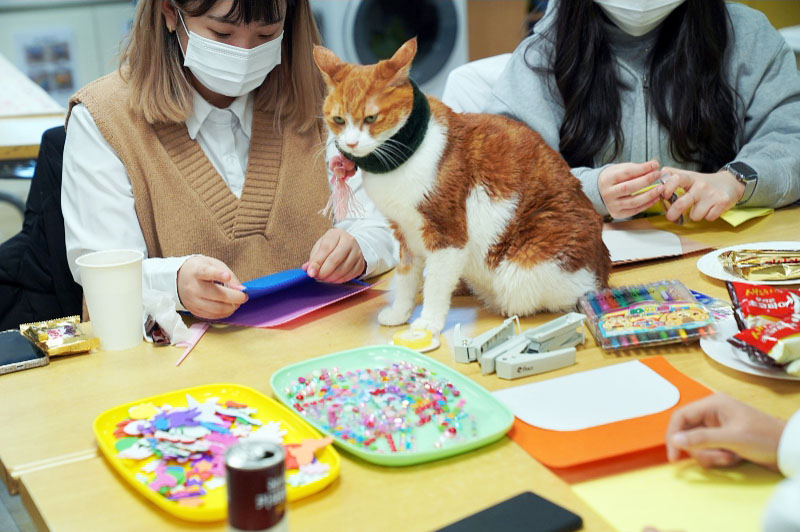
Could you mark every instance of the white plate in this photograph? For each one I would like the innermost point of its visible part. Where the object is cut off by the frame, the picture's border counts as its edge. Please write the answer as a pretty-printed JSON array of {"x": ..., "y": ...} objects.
[
  {"x": 720, "y": 350},
  {"x": 710, "y": 265}
]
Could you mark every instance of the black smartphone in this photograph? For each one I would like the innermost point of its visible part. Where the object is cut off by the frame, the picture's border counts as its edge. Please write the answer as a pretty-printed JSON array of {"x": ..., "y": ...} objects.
[
  {"x": 18, "y": 353},
  {"x": 526, "y": 512}
]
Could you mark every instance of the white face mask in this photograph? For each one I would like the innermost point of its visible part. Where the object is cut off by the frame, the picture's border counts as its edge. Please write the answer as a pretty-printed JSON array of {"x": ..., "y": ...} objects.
[
  {"x": 226, "y": 69},
  {"x": 637, "y": 17}
]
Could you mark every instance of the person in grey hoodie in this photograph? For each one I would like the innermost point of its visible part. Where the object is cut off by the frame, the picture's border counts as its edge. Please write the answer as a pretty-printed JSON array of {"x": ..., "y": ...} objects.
[{"x": 678, "y": 93}]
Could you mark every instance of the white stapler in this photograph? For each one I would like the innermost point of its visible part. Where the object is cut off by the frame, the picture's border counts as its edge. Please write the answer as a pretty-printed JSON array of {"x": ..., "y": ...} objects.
[{"x": 544, "y": 348}]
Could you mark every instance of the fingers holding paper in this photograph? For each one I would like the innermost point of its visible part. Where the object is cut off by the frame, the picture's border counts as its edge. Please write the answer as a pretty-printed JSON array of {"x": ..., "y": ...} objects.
[
  {"x": 720, "y": 431},
  {"x": 624, "y": 188},
  {"x": 335, "y": 258},
  {"x": 208, "y": 288},
  {"x": 706, "y": 196}
]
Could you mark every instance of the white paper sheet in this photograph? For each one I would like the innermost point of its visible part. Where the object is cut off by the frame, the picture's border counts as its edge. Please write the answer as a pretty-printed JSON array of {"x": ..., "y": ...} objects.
[
  {"x": 591, "y": 398},
  {"x": 627, "y": 245}
]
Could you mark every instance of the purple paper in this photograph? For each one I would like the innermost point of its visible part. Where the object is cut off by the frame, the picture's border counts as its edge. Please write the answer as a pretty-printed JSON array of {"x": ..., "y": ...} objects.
[{"x": 298, "y": 300}]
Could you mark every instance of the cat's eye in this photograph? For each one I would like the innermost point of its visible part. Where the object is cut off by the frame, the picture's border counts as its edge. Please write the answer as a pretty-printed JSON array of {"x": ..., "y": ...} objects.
[
  {"x": 338, "y": 120},
  {"x": 370, "y": 119}
]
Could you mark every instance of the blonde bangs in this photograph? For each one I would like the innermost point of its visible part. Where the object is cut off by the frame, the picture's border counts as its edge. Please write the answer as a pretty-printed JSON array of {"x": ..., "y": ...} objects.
[{"x": 152, "y": 65}]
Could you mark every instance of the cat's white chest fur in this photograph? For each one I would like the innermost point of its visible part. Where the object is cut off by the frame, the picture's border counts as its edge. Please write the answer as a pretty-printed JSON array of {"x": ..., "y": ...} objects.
[{"x": 397, "y": 193}]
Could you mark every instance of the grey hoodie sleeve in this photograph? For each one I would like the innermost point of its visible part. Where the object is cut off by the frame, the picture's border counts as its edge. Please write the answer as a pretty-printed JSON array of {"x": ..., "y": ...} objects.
[
  {"x": 540, "y": 108},
  {"x": 767, "y": 80}
]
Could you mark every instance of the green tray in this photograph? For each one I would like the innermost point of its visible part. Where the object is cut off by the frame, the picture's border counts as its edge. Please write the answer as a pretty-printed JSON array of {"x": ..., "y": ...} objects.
[{"x": 494, "y": 418}]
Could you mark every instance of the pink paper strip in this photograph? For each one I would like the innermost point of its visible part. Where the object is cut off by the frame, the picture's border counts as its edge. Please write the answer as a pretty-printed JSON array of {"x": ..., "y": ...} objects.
[{"x": 198, "y": 330}]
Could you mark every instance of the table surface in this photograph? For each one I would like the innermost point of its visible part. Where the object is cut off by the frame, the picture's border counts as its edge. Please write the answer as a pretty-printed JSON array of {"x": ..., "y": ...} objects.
[{"x": 47, "y": 440}]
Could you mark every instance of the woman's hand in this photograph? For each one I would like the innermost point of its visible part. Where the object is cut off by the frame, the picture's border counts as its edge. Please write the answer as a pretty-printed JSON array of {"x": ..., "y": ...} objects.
[
  {"x": 208, "y": 288},
  {"x": 335, "y": 258},
  {"x": 619, "y": 184},
  {"x": 720, "y": 431},
  {"x": 707, "y": 195}
]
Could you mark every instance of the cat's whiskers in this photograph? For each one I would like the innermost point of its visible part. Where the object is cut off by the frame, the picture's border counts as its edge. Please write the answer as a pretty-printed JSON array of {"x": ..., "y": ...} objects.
[
  {"x": 398, "y": 144},
  {"x": 381, "y": 157},
  {"x": 389, "y": 150},
  {"x": 392, "y": 158}
]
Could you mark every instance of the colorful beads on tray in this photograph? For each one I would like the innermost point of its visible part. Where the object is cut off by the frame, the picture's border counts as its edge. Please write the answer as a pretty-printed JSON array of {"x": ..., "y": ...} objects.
[{"x": 384, "y": 409}]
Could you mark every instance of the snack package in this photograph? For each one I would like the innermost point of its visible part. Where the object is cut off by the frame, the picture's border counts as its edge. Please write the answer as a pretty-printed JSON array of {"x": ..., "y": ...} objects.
[
  {"x": 774, "y": 344},
  {"x": 760, "y": 304},
  {"x": 61, "y": 336},
  {"x": 762, "y": 264}
]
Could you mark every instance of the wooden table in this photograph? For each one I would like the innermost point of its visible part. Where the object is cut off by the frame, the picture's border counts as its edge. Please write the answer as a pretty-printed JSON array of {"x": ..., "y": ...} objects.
[{"x": 47, "y": 442}]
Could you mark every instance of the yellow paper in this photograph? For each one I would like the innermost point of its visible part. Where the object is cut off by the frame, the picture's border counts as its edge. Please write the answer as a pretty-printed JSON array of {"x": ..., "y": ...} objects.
[
  {"x": 739, "y": 215},
  {"x": 683, "y": 496}
]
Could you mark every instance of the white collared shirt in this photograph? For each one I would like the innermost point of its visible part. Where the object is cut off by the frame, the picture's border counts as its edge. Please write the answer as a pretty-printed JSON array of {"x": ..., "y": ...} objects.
[
  {"x": 783, "y": 510},
  {"x": 98, "y": 205}
]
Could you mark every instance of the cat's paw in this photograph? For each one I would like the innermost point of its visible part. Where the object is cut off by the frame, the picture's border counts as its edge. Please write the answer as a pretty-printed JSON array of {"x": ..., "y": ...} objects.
[
  {"x": 391, "y": 316},
  {"x": 434, "y": 326}
]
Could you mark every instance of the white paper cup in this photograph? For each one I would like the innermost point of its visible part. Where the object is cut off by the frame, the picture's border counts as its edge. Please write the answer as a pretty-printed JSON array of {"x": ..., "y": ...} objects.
[{"x": 112, "y": 285}]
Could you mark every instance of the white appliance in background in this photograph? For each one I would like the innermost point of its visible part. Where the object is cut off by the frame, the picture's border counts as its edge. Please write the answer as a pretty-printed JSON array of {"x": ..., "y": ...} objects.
[{"x": 365, "y": 31}]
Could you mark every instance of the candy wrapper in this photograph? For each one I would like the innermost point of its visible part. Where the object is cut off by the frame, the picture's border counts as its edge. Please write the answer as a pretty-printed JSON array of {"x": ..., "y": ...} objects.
[
  {"x": 759, "y": 304},
  {"x": 774, "y": 344},
  {"x": 62, "y": 336},
  {"x": 762, "y": 264}
]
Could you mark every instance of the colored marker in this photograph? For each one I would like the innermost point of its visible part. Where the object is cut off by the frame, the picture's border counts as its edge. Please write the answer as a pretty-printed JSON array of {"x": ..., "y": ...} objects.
[
  {"x": 594, "y": 304},
  {"x": 619, "y": 297}
]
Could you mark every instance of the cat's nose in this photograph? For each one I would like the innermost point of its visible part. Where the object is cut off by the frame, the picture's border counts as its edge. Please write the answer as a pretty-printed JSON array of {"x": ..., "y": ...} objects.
[{"x": 352, "y": 145}]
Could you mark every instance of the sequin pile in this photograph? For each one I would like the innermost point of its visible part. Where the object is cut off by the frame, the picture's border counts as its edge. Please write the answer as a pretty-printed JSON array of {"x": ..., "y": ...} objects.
[{"x": 397, "y": 408}]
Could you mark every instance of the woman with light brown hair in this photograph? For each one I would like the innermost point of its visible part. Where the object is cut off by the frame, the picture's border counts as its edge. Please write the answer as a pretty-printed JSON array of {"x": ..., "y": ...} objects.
[{"x": 204, "y": 151}]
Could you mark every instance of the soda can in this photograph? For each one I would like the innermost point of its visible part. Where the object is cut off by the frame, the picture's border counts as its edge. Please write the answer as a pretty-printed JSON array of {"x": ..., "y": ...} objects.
[{"x": 255, "y": 473}]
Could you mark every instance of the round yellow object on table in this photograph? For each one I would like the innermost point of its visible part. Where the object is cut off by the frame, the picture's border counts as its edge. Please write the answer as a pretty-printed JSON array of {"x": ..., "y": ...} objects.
[{"x": 417, "y": 339}]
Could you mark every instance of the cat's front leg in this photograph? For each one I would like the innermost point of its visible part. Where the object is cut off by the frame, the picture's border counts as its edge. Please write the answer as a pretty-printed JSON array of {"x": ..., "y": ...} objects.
[
  {"x": 444, "y": 269},
  {"x": 408, "y": 277}
]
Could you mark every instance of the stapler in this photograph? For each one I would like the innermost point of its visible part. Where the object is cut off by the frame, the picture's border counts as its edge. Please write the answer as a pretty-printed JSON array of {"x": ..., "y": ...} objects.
[
  {"x": 467, "y": 349},
  {"x": 544, "y": 348}
]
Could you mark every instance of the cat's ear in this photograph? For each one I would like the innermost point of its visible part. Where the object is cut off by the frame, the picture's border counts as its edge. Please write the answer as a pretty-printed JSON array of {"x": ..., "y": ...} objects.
[
  {"x": 397, "y": 68},
  {"x": 328, "y": 64}
]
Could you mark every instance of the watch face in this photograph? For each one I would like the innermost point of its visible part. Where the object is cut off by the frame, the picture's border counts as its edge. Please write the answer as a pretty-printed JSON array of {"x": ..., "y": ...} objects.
[{"x": 745, "y": 171}]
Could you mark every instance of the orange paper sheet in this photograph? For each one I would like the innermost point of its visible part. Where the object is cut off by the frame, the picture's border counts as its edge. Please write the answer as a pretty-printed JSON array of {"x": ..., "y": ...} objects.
[{"x": 597, "y": 451}]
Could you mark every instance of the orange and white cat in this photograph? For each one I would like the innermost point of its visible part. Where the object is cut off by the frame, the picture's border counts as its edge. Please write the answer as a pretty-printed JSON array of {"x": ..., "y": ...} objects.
[{"x": 472, "y": 196}]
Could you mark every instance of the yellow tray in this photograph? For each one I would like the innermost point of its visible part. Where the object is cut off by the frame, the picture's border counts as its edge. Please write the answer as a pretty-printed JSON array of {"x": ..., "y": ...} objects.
[{"x": 216, "y": 505}]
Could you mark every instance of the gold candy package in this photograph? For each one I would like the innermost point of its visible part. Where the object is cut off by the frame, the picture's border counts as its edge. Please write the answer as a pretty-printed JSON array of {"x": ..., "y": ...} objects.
[
  {"x": 762, "y": 264},
  {"x": 61, "y": 336}
]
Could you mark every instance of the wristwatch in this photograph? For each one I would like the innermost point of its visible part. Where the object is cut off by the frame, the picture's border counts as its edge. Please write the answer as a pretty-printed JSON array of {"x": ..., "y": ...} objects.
[{"x": 746, "y": 175}]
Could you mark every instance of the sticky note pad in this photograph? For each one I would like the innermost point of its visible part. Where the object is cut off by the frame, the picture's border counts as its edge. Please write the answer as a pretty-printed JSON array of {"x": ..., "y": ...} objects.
[{"x": 739, "y": 215}]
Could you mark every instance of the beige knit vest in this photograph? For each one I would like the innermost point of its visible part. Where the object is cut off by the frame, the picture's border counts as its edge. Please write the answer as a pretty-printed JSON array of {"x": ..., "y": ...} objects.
[{"x": 185, "y": 207}]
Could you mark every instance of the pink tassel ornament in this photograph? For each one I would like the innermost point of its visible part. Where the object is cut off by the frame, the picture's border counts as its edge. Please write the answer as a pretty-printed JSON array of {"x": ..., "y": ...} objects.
[{"x": 342, "y": 200}]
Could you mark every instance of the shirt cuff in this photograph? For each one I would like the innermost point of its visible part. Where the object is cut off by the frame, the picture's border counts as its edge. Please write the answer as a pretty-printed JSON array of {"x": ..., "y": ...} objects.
[
  {"x": 370, "y": 257},
  {"x": 782, "y": 511},
  {"x": 588, "y": 178},
  {"x": 789, "y": 448},
  {"x": 161, "y": 274}
]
